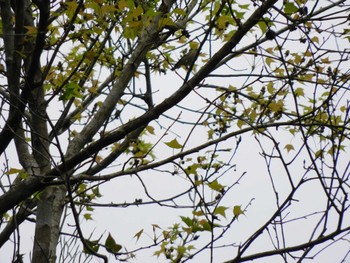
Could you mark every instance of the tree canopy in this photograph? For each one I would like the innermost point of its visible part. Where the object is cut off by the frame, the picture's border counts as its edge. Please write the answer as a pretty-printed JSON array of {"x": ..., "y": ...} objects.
[{"x": 175, "y": 130}]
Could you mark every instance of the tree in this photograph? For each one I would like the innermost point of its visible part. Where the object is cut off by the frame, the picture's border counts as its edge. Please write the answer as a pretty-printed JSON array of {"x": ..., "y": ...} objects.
[{"x": 90, "y": 103}]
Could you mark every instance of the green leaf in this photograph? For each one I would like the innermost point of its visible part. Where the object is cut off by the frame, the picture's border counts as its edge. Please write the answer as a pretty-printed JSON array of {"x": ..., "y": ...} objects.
[
  {"x": 292, "y": 131},
  {"x": 190, "y": 247},
  {"x": 240, "y": 123},
  {"x": 137, "y": 12},
  {"x": 129, "y": 33},
  {"x": 180, "y": 11},
  {"x": 93, "y": 244},
  {"x": 166, "y": 21},
  {"x": 206, "y": 225},
  {"x": 290, "y": 8},
  {"x": 299, "y": 92},
  {"x": 88, "y": 216},
  {"x": 111, "y": 245},
  {"x": 150, "y": 129},
  {"x": 319, "y": 154},
  {"x": 71, "y": 90},
  {"x": 216, "y": 186},
  {"x": 270, "y": 88},
  {"x": 181, "y": 250},
  {"x": 276, "y": 106},
  {"x": 188, "y": 221},
  {"x": 198, "y": 213},
  {"x": 264, "y": 24},
  {"x": 174, "y": 144},
  {"x": 237, "y": 211},
  {"x": 269, "y": 60},
  {"x": 220, "y": 210},
  {"x": 138, "y": 235},
  {"x": 246, "y": 7},
  {"x": 192, "y": 169},
  {"x": 96, "y": 192}
]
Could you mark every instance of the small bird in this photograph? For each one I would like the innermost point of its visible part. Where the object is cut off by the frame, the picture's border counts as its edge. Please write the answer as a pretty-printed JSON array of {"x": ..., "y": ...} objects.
[{"x": 187, "y": 60}]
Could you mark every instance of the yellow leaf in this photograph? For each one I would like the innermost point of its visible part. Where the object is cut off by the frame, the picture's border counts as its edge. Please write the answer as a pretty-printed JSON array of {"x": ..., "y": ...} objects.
[
  {"x": 289, "y": 147},
  {"x": 150, "y": 129},
  {"x": 194, "y": 45},
  {"x": 269, "y": 50},
  {"x": 137, "y": 11},
  {"x": 166, "y": 21},
  {"x": 270, "y": 87},
  {"x": 93, "y": 90},
  {"x": 198, "y": 213},
  {"x": 308, "y": 53},
  {"x": 269, "y": 61},
  {"x": 98, "y": 159},
  {"x": 314, "y": 39},
  {"x": 13, "y": 171},
  {"x": 308, "y": 77},
  {"x": 325, "y": 60},
  {"x": 180, "y": 11},
  {"x": 321, "y": 81},
  {"x": 297, "y": 59},
  {"x": 31, "y": 30},
  {"x": 240, "y": 123},
  {"x": 299, "y": 92},
  {"x": 122, "y": 4},
  {"x": 276, "y": 106},
  {"x": 90, "y": 54},
  {"x": 135, "y": 24}
]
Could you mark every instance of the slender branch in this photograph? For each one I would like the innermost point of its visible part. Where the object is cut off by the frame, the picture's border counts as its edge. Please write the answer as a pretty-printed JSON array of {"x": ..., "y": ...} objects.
[{"x": 290, "y": 249}]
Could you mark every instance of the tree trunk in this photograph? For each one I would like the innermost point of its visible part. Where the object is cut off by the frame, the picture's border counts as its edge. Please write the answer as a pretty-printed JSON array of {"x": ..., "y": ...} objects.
[{"x": 50, "y": 208}]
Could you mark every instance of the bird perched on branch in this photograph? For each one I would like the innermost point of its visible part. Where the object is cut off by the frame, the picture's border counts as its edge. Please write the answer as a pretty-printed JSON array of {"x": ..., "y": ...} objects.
[{"x": 186, "y": 60}]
